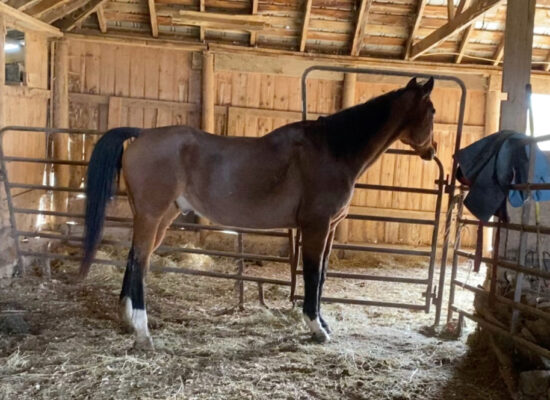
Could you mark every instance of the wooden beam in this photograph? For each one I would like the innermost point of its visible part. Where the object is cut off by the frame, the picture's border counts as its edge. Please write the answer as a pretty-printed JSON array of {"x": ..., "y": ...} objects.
[
  {"x": 499, "y": 53},
  {"x": 360, "y": 27},
  {"x": 154, "y": 20},
  {"x": 492, "y": 104},
  {"x": 23, "y": 21},
  {"x": 464, "y": 42},
  {"x": 69, "y": 22},
  {"x": 450, "y": 9},
  {"x": 305, "y": 25},
  {"x": 459, "y": 23},
  {"x": 237, "y": 22},
  {"x": 254, "y": 35},
  {"x": 102, "y": 22},
  {"x": 546, "y": 66},
  {"x": 416, "y": 24},
  {"x": 461, "y": 6}
]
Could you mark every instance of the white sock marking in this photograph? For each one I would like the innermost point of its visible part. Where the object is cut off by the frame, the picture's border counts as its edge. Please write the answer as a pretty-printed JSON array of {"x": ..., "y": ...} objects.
[
  {"x": 139, "y": 322},
  {"x": 127, "y": 310},
  {"x": 316, "y": 328}
]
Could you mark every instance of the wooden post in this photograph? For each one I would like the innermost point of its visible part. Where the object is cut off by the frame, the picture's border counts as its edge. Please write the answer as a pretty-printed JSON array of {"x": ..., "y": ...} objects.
[
  {"x": 348, "y": 100},
  {"x": 61, "y": 120},
  {"x": 516, "y": 74},
  {"x": 492, "y": 105},
  {"x": 207, "y": 121},
  {"x": 208, "y": 92},
  {"x": 3, "y": 69},
  {"x": 516, "y": 69}
]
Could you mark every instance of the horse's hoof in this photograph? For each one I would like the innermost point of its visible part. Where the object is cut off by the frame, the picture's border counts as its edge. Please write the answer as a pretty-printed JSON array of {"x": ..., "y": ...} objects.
[
  {"x": 321, "y": 337},
  {"x": 144, "y": 343}
]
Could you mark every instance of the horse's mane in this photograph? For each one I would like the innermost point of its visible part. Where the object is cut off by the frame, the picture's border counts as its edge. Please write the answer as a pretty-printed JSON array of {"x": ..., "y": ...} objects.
[{"x": 354, "y": 126}]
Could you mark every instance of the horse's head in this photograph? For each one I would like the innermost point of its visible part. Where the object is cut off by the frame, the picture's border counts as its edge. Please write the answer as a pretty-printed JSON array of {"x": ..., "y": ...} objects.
[{"x": 418, "y": 129}]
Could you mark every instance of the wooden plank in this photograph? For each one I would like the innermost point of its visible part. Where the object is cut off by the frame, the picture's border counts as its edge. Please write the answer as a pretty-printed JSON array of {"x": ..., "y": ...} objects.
[
  {"x": 416, "y": 24},
  {"x": 36, "y": 52},
  {"x": 122, "y": 71},
  {"x": 518, "y": 48},
  {"x": 458, "y": 23},
  {"x": 115, "y": 110},
  {"x": 219, "y": 21},
  {"x": 360, "y": 27},
  {"x": 101, "y": 20},
  {"x": 305, "y": 24},
  {"x": 3, "y": 96},
  {"x": 153, "y": 16},
  {"x": 546, "y": 66},
  {"x": 69, "y": 22},
  {"x": 107, "y": 66},
  {"x": 19, "y": 20},
  {"x": 464, "y": 43}
]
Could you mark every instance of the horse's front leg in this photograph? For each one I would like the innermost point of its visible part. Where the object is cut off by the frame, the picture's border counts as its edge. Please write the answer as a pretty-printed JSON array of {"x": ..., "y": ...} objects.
[
  {"x": 314, "y": 239},
  {"x": 324, "y": 268}
]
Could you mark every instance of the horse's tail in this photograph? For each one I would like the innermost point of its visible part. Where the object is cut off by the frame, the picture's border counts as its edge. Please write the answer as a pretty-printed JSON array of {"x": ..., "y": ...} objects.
[{"x": 105, "y": 164}]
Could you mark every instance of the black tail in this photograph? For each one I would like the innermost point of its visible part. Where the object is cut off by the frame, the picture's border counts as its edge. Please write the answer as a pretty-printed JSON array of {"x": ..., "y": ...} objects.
[{"x": 105, "y": 164}]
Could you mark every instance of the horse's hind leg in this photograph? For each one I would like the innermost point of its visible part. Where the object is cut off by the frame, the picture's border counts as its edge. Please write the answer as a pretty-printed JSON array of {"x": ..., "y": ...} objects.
[
  {"x": 313, "y": 247},
  {"x": 324, "y": 267},
  {"x": 132, "y": 296},
  {"x": 167, "y": 219}
]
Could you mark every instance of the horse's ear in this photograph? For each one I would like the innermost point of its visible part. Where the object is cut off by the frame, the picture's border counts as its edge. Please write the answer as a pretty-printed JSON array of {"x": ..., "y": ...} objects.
[
  {"x": 428, "y": 86},
  {"x": 412, "y": 83}
]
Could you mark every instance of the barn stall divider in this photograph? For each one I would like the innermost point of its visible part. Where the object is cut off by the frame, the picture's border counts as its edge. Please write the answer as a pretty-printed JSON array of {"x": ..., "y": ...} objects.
[
  {"x": 508, "y": 275},
  {"x": 24, "y": 237}
]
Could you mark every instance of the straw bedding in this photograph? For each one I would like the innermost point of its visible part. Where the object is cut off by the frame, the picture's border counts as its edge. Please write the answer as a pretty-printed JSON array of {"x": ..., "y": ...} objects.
[{"x": 72, "y": 345}]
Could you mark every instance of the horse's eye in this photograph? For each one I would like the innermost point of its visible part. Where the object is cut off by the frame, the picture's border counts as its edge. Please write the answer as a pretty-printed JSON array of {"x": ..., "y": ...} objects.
[{"x": 433, "y": 110}]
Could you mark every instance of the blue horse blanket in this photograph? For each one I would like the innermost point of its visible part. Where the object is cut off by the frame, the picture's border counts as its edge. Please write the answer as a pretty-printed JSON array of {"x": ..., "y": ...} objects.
[{"x": 491, "y": 164}]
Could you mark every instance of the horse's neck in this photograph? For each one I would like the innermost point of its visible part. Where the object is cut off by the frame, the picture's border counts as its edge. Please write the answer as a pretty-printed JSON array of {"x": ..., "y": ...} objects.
[{"x": 378, "y": 142}]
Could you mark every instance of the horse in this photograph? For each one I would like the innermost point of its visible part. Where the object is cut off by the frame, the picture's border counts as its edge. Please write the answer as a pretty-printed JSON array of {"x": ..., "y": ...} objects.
[{"x": 299, "y": 176}]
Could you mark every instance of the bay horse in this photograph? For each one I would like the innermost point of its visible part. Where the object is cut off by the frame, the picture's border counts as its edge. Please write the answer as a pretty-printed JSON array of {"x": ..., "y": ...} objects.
[{"x": 299, "y": 176}]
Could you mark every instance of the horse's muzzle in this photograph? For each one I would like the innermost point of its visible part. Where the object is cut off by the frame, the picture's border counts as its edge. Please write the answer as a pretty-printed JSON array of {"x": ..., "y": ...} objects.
[{"x": 428, "y": 154}]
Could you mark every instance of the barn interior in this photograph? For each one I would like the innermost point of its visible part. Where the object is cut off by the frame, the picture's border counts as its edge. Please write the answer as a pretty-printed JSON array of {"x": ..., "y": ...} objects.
[{"x": 425, "y": 303}]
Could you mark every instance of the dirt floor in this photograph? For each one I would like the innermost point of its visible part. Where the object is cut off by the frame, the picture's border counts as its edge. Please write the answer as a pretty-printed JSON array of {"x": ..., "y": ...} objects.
[{"x": 70, "y": 344}]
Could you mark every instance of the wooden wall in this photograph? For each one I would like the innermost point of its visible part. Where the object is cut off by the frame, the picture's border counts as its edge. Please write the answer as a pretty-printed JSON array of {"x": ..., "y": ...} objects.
[
  {"x": 27, "y": 105},
  {"x": 116, "y": 84}
]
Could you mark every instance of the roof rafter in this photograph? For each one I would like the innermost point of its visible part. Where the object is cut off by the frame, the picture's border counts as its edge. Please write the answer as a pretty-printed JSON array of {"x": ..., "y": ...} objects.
[
  {"x": 69, "y": 22},
  {"x": 253, "y": 35},
  {"x": 21, "y": 5},
  {"x": 20, "y": 20},
  {"x": 360, "y": 27},
  {"x": 305, "y": 25},
  {"x": 59, "y": 12},
  {"x": 459, "y": 22},
  {"x": 43, "y": 7},
  {"x": 101, "y": 20},
  {"x": 154, "y": 20},
  {"x": 450, "y": 9},
  {"x": 202, "y": 8},
  {"x": 464, "y": 43},
  {"x": 499, "y": 52},
  {"x": 417, "y": 19}
]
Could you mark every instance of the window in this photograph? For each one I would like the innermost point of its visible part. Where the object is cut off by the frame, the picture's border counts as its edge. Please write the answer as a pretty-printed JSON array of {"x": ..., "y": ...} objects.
[
  {"x": 14, "y": 50},
  {"x": 540, "y": 104}
]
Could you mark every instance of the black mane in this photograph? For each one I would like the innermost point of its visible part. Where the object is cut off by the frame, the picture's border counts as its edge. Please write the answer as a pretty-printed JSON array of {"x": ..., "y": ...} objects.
[{"x": 350, "y": 129}]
